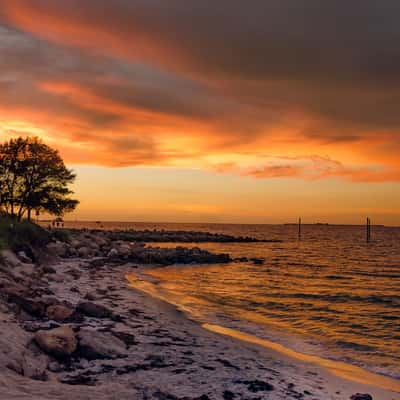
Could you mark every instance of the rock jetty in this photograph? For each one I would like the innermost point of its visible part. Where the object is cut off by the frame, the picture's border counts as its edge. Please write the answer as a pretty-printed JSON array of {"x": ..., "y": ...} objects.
[
  {"x": 179, "y": 236},
  {"x": 110, "y": 246}
]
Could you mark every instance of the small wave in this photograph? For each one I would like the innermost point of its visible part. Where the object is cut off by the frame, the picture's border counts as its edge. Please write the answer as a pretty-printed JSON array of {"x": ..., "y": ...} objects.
[
  {"x": 337, "y": 277},
  {"x": 355, "y": 346}
]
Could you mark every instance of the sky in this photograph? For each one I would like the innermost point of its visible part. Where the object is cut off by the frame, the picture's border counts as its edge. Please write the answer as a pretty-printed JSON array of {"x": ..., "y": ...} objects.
[{"x": 211, "y": 111}]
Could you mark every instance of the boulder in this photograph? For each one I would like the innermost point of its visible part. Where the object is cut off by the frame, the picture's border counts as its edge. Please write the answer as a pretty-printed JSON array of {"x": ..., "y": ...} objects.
[
  {"x": 124, "y": 250},
  {"x": 24, "y": 270},
  {"x": 94, "y": 310},
  {"x": 93, "y": 245},
  {"x": 113, "y": 253},
  {"x": 100, "y": 241},
  {"x": 127, "y": 338},
  {"x": 74, "y": 272},
  {"x": 90, "y": 296},
  {"x": 59, "y": 342},
  {"x": 56, "y": 278},
  {"x": 24, "y": 258},
  {"x": 75, "y": 244},
  {"x": 99, "y": 345},
  {"x": 58, "y": 249},
  {"x": 84, "y": 252},
  {"x": 59, "y": 313},
  {"x": 360, "y": 396},
  {"x": 34, "y": 366},
  {"x": 10, "y": 259},
  {"x": 98, "y": 262},
  {"x": 47, "y": 269},
  {"x": 19, "y": 295}
]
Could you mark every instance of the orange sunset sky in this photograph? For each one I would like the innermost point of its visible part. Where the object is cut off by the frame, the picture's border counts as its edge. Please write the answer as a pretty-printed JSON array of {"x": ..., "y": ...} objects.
[{"x": 211, "y": 111}]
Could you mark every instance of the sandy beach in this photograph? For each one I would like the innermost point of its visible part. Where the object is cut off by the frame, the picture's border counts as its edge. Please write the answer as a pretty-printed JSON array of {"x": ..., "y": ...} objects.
[{"x": 135, "y": 346}]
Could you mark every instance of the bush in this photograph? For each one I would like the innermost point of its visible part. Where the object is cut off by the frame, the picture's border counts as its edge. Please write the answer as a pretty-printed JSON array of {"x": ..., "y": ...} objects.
[
  {"x": 21, "y": 235},
  {"x": 62, "y": 235},
  {"x": 3, "y": 244}
]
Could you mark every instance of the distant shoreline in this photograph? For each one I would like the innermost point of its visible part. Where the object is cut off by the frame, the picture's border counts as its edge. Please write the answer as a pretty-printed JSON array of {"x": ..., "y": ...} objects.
[{"x": 99, "y": 222}]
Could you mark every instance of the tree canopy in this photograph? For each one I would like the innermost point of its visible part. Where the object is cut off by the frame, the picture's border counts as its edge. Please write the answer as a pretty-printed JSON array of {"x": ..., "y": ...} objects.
[{"x": 33, "y": 177}]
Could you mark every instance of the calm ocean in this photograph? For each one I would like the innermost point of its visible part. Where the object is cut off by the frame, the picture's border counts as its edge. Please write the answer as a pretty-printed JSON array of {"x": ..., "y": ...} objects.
[{"x": 330, "y": 294}]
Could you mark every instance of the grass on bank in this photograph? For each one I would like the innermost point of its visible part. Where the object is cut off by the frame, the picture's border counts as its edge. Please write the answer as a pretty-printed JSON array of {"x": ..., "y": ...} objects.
[{"x": 21, "y": 235}]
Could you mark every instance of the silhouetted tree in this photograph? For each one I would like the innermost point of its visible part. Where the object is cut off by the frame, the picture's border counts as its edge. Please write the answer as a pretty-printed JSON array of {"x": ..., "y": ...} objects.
[{"x": 33, "y": 177}]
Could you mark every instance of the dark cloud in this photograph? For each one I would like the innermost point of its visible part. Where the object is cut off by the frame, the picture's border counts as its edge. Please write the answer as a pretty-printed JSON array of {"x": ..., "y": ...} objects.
[
  {"x": 355, "y": 40},
  {"x": 233, "y": 75}
]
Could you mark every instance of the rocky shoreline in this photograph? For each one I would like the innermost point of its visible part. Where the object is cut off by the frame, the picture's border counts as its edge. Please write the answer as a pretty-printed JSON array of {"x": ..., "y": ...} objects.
[
  {"x": 73, "y": 327},
  {"x": 119, "y": 246},
  {"x": 178, "y": 236}
]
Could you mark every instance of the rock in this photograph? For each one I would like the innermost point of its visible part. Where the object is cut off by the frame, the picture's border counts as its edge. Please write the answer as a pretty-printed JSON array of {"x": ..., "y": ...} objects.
[
  {"x": 84, "y": 252},
  {"x": 24, "y": 270},
  {"x": 74, "y": 272},
  {"x": 90, "y": 296},
  {"x": 59, "y": 312},
  {"x": 58, "y": 249},
  {"x": 126, "y": 337},
  {"x": 93, "y": 245},
  {"x": 101, "y": 242},
  {"x": 34, "y": 366},
  {"x": 54, "y": 366},
  {"x": 59, "y": 342},
  {"x": 24, "y": 258},
  {"x": 94, "y": 310},
  {"x": 113, "y": 253},
  {"x": 34, "y": 326},
  {"x": 360, "y": 396},
  {"x": 46, "y": 269},
  {"x": 49, "y": 300},
  {"x": 75, "y": 244},
  {"x": 102, "y": 291},
  {"x": 18, "y": 295},
  {"x": 124, "y": 250},
  {"x": 10, "y": 259},
  {"x": 72, "y": 252},
  {"x": 159, "y": 395},
  {"x": 56, "y": 278},
  {"x": 98, "y": 262},
  {"x": 228, "y": 395},
  {"x": 257, "y": 386},
  {"x": 257, "y": 261},
  {"x": 95, "y": 345}
]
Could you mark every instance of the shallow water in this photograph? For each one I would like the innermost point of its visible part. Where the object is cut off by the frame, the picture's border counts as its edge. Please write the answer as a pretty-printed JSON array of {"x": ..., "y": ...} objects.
[{"x": 330, "y": 294}]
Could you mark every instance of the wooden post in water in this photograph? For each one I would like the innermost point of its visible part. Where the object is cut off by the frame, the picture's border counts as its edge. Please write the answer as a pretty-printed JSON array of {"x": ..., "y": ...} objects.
[
  {"x": 368, "y": 229},
  {"x": 299, "y": 229}
]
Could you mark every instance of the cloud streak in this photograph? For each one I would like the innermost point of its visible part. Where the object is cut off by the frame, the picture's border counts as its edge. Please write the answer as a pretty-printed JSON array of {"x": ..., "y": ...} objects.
[{"x": 207, "y": 83}]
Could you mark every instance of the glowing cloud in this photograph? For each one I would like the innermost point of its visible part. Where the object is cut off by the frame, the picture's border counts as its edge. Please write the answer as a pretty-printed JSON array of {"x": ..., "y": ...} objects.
[{"x": 212, "y": 85}]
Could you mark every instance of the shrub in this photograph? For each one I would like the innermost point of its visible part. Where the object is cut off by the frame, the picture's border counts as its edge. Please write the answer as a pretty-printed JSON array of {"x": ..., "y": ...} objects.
[
  {"x": 61, "y": 234},
  {"x": 21, "y": 235}
]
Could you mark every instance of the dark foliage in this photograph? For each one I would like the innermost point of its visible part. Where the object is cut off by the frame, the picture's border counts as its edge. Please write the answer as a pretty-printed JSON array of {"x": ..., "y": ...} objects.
[
  {"x": 33, "y": 178},
  {"x": 21, "y": 235}
]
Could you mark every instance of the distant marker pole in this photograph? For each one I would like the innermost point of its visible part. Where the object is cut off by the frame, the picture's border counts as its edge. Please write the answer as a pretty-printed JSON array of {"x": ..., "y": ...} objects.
[
  {"x": 368, "y": 230},
  {"x": 299, "y": 231}
]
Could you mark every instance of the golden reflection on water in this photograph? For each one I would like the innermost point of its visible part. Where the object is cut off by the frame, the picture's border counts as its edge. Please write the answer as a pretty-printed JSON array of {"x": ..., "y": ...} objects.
[
  {"x": 329, "y": 295},
  {"x": 343, "y": 370},
  {"x": 305, "y": 303}
]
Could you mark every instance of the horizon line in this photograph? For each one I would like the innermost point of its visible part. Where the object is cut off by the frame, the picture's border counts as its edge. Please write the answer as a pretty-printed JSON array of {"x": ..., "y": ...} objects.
[{"x": 217, "y": 223}]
